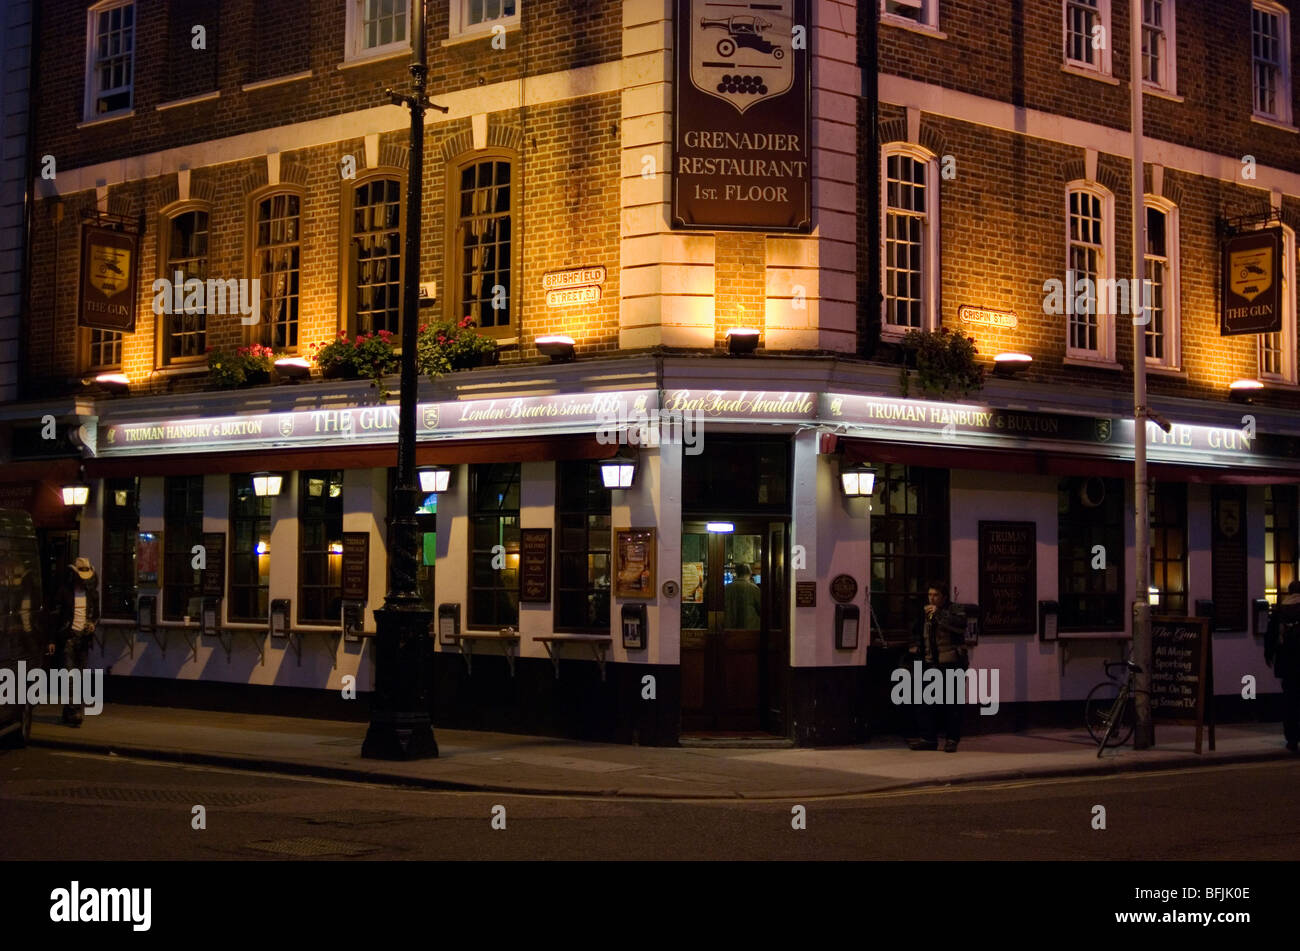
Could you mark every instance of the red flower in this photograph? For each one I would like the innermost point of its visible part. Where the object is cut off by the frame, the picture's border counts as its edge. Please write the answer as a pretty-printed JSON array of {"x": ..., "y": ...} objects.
[{"x": 343, "y": 335}]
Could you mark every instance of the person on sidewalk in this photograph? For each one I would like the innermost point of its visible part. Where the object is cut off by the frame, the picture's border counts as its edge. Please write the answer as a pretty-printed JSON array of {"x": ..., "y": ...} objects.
[
  {"x": 1282, "y": 652},
  {"x": 939, "y": 640},
  {"x": 78, "y": 613}
]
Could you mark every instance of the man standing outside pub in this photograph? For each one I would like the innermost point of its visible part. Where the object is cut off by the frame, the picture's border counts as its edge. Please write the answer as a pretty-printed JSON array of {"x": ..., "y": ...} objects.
[
  {"x": 939, "y": 640},
  {"x": 78, "y": 613}
]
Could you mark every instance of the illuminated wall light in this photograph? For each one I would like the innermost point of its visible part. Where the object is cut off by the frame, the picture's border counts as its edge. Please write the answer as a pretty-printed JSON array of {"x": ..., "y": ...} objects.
[
  {"x": 1153, "y": 595},
  {"x": 435, "y": 480},
  {"x": 114, "y": 382},
  {"x": 266, "y": 483},
  {"x": 1009, "y": 364},
  {"x": 858, "y": 482},
  {"x": 315, "y": 487},
  {"x": 263, "y": 548},
  {"x": 720, "y": 526},
  {"x": 336, "y": 489},
  {"x": 742, "y": 340},
  {"x": 336, "y": 548},
  {"x": 1244, "y": 390},
  {"x": 559, "y": 347},
  {"x": 293, "y": 368},
  {"x": 75, "y": 494},
  {"x": 620, "y": 471}
]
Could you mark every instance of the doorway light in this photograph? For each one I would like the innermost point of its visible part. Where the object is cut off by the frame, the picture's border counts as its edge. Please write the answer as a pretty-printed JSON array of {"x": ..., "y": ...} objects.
[{"x": 720, "y": 526}]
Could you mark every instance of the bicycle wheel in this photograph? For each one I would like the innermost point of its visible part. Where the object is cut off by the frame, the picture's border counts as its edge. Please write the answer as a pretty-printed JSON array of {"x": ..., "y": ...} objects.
[{"x": 1099, "y": 709}]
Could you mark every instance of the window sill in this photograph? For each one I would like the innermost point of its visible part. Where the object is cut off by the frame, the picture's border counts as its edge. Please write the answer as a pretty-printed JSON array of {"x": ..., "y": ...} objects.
[
  {"x": 368, "y": 58},
  {"x": 181, "y": 369},
  {"x": 1276, "y": 383},
  {"x": 1091, "y": 364},
  {"x": 189, "y": 100},
  {"x": 1161, "y": 370},
  {"x": 101, "y": 120},
  {"x": 1161, "y": 93},
  {"x": 1087, "y": 73},
  {"x": 477, "y": 33},
  {"x": 276, "y": 81},
  {"x": 903, "y": 23},
  {"x": 1275, "y": 123}
]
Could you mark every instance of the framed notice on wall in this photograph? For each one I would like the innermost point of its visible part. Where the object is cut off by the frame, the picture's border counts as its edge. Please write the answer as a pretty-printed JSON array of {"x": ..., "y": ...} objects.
[
  {"x": 634, "y": 567},
  {"x": 356, "y": 566},
  {"x": 214, "y": 571},
  {"x": 1008, "y": 573},
  {"x": 535, "y": 564},
  {"x": 148, "y": 552},
  {"x": 742, "y": 156}
]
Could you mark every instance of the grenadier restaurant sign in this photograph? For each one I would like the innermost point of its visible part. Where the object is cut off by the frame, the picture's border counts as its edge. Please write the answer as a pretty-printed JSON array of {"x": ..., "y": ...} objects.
[
  {"x": 742, "y": 160},
  {"x": 1252, "y": 283},
  {"x": 106, "y": 298}
]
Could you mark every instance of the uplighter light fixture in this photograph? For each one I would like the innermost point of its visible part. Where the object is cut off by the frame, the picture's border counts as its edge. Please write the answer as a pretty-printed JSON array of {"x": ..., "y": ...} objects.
[
  {"x": 858, "y": 481},
  {"x": 114, "y": 382},
  {"x": 1009, "y": 364},
  {"x": 1244, "y": 390},
  {"x": 741, "y": 340},
  {"x": 76, "y": 494},
  {"x": 619, "y": 472},
  {"x": 435, "y": 480},
  {"x": 293, "y": 368},
  {"x": 559, "y": 347},
  {"x": 266, "y": 483}
]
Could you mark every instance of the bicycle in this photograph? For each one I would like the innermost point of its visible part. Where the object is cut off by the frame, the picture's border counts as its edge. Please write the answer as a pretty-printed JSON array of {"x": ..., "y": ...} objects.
[{"x": 1108, "y": 712}]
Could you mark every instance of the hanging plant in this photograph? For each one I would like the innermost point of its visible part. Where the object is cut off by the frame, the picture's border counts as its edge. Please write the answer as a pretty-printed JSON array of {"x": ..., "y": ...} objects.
[
  {"x": 945, "y": 363},
  {"x": 246, "y": 366},
  {"x": 371, "y": 355},
  {"x": 444, "y": 346}
]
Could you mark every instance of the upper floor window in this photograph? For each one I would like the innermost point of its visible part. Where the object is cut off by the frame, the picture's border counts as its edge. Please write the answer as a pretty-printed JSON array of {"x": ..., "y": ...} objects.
[
  {"x": 1277, "y": 351},
  {"x": 277, "y": 248},
  {"x": 376, "y": 256},
  {"x": 911, "y": 241},
  {"x": 1090, "y": 271},
  {"x": 377, "y": 27},
  {"x": 920, "y": 12},
  {"x": 1161, "y": 296},
  {"x": 1158, "y": 46},
  {"x": 1270, "y": 30},
  {"x": 1087, "y": 35},
  {"x": 104, "y": 350},
  {"x": 482, "y": 243},
  {"x": 110, "y": 58},
  {"x": 480, "y": 16},
  {"x": 185, "y": 256}
]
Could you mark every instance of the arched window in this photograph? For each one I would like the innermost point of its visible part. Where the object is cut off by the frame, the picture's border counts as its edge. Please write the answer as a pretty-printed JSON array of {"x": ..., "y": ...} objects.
[
  {"x": 1163, "y": 288},
  {"x": 1277, "y": 351},
  {"x": 375, "y": 255},
  {"x": 1092, "y": 294},
  {"x": 276, "y": 265},
  {"x": 182, "y": 256},
  {"x": 482, "y": 252},
  {"x": 911, "y": 240}
]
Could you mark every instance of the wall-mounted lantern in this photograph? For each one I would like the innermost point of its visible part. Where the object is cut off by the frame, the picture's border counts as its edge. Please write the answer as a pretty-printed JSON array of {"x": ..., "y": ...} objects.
[
  {"x": 76, "y": 494},
  {"x": 559, "y": 347},
  {"x": 267, "y": 483},
  {"x": 858, "y": 481},
  {"x": 435, "y": 479},
  {"x": 619, "y": 472}
]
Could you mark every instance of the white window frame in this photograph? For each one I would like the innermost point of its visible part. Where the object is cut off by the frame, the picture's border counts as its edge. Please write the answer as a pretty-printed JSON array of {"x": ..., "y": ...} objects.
[
  {"x": 1173, "y": 286},
  {"x": 928, "y": 20},
  {"x": 1284, "y": 91},
  {"x": 356, "y": 50},
  {"x": 460, "y": 27},
  {"x": 92, "y": 90},
  {"x": 930, "y": 239},
  {"x": 1103, "y": 65},
  {"x": 1105, "y": 352},
  {"x": 1169, "y": 83},
  {"x": 1288, "y": 331}
]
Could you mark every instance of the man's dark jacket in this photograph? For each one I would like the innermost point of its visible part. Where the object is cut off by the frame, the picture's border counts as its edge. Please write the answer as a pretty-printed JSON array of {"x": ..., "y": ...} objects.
[
  {"x": 1282, "y": 640},
  {"x": 66, "y": 606},
  {"x": 942, "y": 638}
]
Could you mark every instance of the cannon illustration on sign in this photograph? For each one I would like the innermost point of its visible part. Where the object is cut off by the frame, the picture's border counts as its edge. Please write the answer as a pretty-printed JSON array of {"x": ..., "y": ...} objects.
[
  {"x": 1250, "y": 269},
  {"x": 744, "y": 31}
]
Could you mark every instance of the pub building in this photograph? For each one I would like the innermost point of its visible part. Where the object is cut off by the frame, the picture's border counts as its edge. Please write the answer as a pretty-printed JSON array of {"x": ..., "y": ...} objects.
[{"x": 700, "y": 451}]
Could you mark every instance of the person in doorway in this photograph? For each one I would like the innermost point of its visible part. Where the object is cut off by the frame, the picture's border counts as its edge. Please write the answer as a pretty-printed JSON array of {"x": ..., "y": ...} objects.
[
  {"x": 939, "y": 642},
  {"x": 78, "y": 613},
  {"x": 1282, "y": 652},
  {"x": 744, "y": 601}
]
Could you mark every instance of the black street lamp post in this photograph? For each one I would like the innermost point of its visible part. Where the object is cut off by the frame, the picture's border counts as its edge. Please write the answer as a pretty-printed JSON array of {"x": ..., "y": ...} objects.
[{"x": 400, "y": 720}]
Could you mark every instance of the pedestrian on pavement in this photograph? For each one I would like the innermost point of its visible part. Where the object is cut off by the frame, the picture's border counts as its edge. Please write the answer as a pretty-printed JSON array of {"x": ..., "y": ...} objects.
[
  {"x": 78, "y": 613},
  {"x": 939, "y": 641},
  {"x": 1282, "y": 652}
]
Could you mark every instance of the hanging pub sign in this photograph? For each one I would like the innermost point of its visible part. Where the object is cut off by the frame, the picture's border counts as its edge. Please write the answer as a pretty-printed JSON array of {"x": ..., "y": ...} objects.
[
  {"x": 742, "y": 160},
  {"x": 1252, "y": 283},
  {"x": 108, "y": 268}
]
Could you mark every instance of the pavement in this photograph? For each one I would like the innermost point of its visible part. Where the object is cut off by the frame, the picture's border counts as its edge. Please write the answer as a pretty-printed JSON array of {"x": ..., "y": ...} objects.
[{"x": 522, "y": 764}]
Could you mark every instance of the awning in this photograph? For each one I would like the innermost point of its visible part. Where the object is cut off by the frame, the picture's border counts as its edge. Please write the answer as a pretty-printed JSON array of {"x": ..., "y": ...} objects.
[
  {"x": 1053, "y": 462},
  {"x": 510, "y": 449}
]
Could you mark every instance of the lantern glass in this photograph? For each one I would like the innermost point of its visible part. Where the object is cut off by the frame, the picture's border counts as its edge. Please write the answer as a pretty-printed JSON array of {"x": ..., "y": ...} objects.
[
  {"x": 434, "y": 480},
  {"x": 617, "y": 473},
  {"x": 76, "y": 494},
  {"x": 858, "y": 482},
  {"x": 266, "y": 483}
]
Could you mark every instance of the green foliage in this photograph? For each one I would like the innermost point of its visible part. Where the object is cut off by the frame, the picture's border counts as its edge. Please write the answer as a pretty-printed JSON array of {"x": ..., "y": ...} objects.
[
  {"x": 246, "y": 365},
  {"x": 371, "y": 355},
  {"x": 945, "y": 363},
  {"x": 444, "y": 346}
]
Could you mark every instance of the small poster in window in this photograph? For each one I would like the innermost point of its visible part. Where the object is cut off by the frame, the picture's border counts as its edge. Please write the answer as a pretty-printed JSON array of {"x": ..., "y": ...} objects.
[
  {"x": 635, "y": 570},
  {"x": 692, "y": 582},
  {"x": 147, "y": 547}
]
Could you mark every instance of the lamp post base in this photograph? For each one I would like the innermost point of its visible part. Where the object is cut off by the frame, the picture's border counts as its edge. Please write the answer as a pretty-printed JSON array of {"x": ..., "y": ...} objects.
[{"x": 400, "y": 724}]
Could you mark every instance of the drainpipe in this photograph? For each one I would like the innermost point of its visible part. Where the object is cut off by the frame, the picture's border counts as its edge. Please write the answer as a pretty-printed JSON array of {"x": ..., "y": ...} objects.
[{"x": 869, "y": 62}]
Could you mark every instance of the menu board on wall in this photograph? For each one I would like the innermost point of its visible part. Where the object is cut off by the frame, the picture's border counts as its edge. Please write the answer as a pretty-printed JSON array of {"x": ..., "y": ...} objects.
[
  {"x": 214, "y": 572},
  {"x": 634, "y": 572},
  {"x": 1228, "y": 560},
  {"x": 148, "y": 549},
  {"x": 692, "y": 582},
  {"x": 1008, "y": 571},
  {"x": 535, "y": 564},
  {"x": 356, "y": 566},
  {"x": 1182, "y": 682}
]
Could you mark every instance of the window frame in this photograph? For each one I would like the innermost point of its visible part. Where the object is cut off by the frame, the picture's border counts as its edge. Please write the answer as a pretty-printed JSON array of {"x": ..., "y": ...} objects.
[
  {"x": 255, "y": 333},
  {"x": 269, "y": 503},
  {"x": 477, "y": 471},
  {"x": 459, "y": 27},
  {"x": 1284, "y": 92},
  {"x": 1275, "y": 535},
  {"x": 1095, "y": 534},
  {"x": 1104, "y": 60},
  {"x": 326, "y": 517},
  {"x": 1169, "y": 82},
  {"x": 179, "y": 537},
  {"x": 1172, "y": 359},
  {"x": 930, "y": 240},
  {"x": 453, "y": 307},
  {"x": 562, "y": 511},
  {"x": 1158, "y": 496},
  {"x": 1288, "y": 376},
  {"x": 917, "y": 562},
  {"x": 928, "y": 20},
  {"x": 348, "y": 269},
  {"x": 92, "y": 91},
  {"x": 166, "y": 216},
  {"x": 112, "y": 559},
  {"x": 1105, "y": 352},
  {"x": 354, "y": 48}
]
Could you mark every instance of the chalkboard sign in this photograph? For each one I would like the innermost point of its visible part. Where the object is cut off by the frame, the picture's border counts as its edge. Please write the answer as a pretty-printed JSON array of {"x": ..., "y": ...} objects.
[
  {"x": 214, "y": 572},
  {"x": 1008, "y": 567},
  {"x": 1182, "y": 673},
  {"x": 356, "y": 566},
  {"x": 1228, "y": 568},
  {"x": 535, "y": 564}
]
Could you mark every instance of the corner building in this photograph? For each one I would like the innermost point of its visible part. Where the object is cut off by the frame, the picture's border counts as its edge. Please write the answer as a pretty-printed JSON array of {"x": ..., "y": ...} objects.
[{"x": 562, "y": 197}]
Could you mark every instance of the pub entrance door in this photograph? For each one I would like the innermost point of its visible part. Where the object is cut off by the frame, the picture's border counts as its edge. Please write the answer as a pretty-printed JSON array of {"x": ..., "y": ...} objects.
[{"x": 730, "y": 592}]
